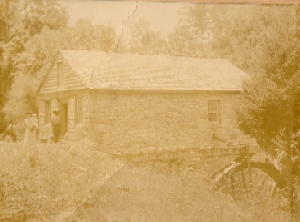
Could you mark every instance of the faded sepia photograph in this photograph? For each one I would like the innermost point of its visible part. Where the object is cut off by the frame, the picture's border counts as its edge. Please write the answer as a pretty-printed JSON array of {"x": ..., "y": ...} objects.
[{"x": 149, "y": 111}]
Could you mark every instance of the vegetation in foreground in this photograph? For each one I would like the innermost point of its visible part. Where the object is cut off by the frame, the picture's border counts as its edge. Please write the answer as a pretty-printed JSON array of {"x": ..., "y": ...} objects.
[
  {"x": 147, "y": 193},
  {"x": 76, "y": 182},
  {"x": 46, "y": 182}
]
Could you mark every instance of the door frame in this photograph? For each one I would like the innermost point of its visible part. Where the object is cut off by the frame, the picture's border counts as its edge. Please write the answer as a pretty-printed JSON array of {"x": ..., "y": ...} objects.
[{"x": 64, "y": 116}]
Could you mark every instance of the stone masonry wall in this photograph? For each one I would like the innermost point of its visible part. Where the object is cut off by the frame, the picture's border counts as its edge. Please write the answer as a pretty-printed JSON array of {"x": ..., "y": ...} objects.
[{"x": 164, "y": 121}]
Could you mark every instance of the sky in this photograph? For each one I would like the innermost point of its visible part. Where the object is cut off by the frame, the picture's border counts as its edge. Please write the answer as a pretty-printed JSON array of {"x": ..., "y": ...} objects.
[{"x": 124, "y": 14}]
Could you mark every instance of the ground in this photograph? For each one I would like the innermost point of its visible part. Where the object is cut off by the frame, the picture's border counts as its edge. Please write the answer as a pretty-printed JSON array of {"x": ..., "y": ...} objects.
[
  {"x": 145, "y": 193},
  {"x": 77, "y": 182}
]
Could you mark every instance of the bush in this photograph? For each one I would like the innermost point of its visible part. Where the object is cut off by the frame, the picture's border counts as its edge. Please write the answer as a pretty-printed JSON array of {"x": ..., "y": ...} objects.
[
  {"x": 22, "y": 97},
  {"x": 45, "y": 181},
  {"x": 147, "y": 193}
]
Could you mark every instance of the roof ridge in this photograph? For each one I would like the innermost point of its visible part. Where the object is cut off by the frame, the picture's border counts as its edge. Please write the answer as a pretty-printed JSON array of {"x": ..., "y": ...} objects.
[
  {"x": 154, "y": 55},
  {"x": 128, "y": 71}
]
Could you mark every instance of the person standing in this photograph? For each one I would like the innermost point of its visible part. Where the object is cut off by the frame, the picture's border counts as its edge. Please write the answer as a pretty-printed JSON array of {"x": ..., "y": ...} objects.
[
  {"x": 56, "y": 125},
  {"x": 29, "y": 130},
  {"x": 12, "y": 131},
  {"x": 35, "y": 123}
]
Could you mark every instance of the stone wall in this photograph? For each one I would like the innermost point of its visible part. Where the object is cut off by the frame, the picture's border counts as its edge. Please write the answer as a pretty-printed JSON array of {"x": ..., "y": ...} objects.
[{"x": 165, "y": 121}]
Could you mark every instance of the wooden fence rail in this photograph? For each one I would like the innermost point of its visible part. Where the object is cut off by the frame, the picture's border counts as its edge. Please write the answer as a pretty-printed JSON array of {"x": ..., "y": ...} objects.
[{"x": 167, "y": 155}]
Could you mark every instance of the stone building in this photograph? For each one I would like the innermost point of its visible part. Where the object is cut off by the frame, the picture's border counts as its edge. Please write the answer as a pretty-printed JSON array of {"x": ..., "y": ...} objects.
[{"x": 130, "y": 101}]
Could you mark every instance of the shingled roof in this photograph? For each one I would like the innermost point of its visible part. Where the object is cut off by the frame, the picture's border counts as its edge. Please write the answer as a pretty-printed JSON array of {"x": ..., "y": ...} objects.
[{"x": 99, "y": 70}]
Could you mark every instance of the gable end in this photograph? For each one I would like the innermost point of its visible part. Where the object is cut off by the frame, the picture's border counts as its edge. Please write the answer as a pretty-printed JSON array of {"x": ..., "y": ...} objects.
[{"x": 60, "y": 76}]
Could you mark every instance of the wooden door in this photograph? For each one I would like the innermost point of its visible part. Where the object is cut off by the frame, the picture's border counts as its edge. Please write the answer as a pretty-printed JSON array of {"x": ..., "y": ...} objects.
[{"x": 64, "y": 118}]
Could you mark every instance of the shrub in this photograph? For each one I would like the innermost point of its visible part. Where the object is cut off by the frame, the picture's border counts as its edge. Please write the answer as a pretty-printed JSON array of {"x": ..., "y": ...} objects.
[
  {"x": 43, "y": 181},
  {"x": 22, "y": 97}
]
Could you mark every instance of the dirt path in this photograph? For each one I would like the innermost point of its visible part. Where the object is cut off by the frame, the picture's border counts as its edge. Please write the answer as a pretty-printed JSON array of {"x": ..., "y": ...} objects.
[{"x": 153, "y": 194}]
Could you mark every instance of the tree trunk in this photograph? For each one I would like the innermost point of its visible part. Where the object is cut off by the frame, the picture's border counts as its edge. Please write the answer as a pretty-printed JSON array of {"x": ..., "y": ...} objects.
[{"x": 289, "y": 170}]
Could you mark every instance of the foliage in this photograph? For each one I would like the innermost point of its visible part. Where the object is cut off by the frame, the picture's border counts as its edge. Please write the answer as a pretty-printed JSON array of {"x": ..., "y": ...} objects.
[
  {"x": 21, "y": 97},
  {"x": 40, "y": 50},
  {"x": 191, "y": 33},
  {"x": 85, "y": 36},
  {"x": 20, "y": 21},
  {"x": 28, "y": 19},
  {"x": 266, "y": 110},
  {"x": 45, "y": 182},
  {"x": 182, "y": 41},
  {"x": 269, "y": 97},
  {"x": 155, "y": 194},
  {"x": 195, "y": 17},
  {"x": 260, "y": 40},
  {"x": 143, "y": 40},
  {"x": 50, "y": 182},
  {"x": 263, "y": 41},
  {"x": 245, "y": 35}
]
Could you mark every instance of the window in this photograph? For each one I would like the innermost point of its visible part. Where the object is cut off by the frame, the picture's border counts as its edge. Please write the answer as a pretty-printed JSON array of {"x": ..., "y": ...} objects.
[
  {"x": 59, "y": 74},
  {"x": 78, "y": 111},
  {"x": 48, "y": 112},
  {"x": 213, "y": 111}
]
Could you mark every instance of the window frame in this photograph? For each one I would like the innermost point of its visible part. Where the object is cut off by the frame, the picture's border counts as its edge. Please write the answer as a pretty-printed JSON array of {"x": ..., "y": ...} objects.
[{"x": 213, "y": 107}]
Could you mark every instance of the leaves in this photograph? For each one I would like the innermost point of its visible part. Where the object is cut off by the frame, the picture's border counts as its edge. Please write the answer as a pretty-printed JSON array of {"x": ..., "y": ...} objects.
[
  {"x": 267, "y": 105},
  {"x": 21, "y": 21},
  {"x": 32, "y": 63},
  {"x": 188, "y": 37},
  {"x": 21, "y": 97},
  {"x": 59, "y": 182},
  {"x": 85, "y": 36},
  {"x": 261, "y": 40},
  {"x": 28, "y": 20},
  {"x": 144, "y": 40},
  {"x": 258, "y": 39}
]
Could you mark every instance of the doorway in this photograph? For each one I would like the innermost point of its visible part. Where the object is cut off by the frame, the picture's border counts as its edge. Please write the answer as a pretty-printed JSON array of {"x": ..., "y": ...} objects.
[{"x": 64, "y": 119}]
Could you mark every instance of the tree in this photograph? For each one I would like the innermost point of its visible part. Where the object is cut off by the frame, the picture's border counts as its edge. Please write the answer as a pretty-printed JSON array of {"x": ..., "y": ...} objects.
[
  {"x": 39, "y": 52},
  {"x": 84, "y": 35},
  {"x": 21, "y": 97},
  {"x": 189, "y": 37},
  {"x": 20, "y": 21},
  {"x": 183, "y": 42},
  {"x": 264, "y": 43},
  {"x": 27, "y": 18},
  {"x": 144, "y": 40}
]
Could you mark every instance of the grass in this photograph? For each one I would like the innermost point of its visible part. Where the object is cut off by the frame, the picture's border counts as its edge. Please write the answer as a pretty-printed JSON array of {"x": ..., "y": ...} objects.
[
  {"x": 48, "y": 181},
  {"x": 76, "y": 182},
  {"x": 145, "y": 193}
]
